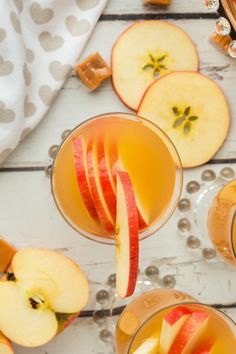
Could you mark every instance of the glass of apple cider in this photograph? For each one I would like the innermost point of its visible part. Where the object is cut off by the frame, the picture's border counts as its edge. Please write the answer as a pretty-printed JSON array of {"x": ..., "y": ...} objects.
[
  {"x": 222, "y": 222},
  {"x": 171, "y": 322},
  {"x": 122, "y": 141}
]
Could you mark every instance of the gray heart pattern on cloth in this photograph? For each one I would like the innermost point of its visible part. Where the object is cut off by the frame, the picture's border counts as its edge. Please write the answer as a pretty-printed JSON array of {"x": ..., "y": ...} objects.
[
  {"x": 29, "y": 108},
  {"x": 59, "y": 71},
  {"x": 49, "y": 42},
  {"x": 19, "y": 5},
  {"x": 47, "y": 94},
  {"x": 15, "y": 22},
  {"x": 24, "y": 134},
  {"x": 27, "y": 75},
  {"x": 6, "y": 67},
  {"x": 29, "y": 55},
  {"x": 87, "y": 5},
  {"x": 39, "y": 15},
  {"x": 77, "y": 27},
  {"x": 3, "y": 35},
  {"x": 6, "y": 115}
]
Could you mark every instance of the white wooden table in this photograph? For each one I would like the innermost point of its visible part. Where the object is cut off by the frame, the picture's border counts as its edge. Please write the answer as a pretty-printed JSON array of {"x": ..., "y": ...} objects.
[{"x": 28, "y": 216}]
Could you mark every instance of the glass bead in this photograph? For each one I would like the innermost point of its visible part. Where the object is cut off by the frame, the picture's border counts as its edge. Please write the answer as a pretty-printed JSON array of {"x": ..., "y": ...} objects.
[
  {"x": 184, "y": 205},
  {"x": 152, "y": 272},
  {"x": 48, "y": 171},
  {"x": 208, "y": 175},
  {"x": 53, "y": 150},
  {"x": 105, "y": 335},
  {"x": 232, "y": 49},
  {"x": 111, "y": 281},
  {"x": 227, "y": 173},
  {"x": 184, "y": 225},
  {"x": 208, "y": 253},
  {"x": 169, "y": 281},
  {"x": 193, "y": 242},
  {"x": 193, "y": 187},
  {"x": 223, "y": 27},
  {"x": 99, "y": 317},
  {"x": 102, "y": 297},
  {"x": 212, "y": 5},
  {"x": 65, "y": 134}
]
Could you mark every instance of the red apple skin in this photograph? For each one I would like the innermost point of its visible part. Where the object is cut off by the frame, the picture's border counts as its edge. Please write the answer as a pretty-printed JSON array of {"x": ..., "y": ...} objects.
[
  {"x": 108, "y": 191},
  {"x": 81, "y": 175},
  {"x": 70, "y": 319},
  {"x": 203, "y": 349},
  {"x": 133, "y": 231},
  {"x": 113, "y": 85},
  {"x": 174, "y": 315},
  {"x": 193, "y": 323},
  {"x": 102, "y": 214}
]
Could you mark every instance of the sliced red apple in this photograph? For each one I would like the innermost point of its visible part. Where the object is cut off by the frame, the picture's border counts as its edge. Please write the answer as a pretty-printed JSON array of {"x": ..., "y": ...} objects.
[
  {"x": 45, "y": 286},
  {"x": 205, "y": 348},
  {"x": 5, "y": 345},
  {"x": 171, "y": 326},
  {"x": 149, "y": 346},
  {"x": 146, "y": 51},
  {"x": 190, "y": 334},
  {"x": 79, "y": 153},
  {"x": 127, "y": 238},
  {"x": 101, "y": 206}
]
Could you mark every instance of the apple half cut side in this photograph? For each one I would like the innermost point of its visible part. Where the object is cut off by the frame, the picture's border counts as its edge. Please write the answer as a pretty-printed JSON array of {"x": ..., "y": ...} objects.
[
  {"x": 190, "y": 334},
  {"x": 5, "y": 345},
  {"x": 101, "y": 206},
  {"x": 150, "y": 346},
  {"x": 127, "y": 238},
  {"x": 44, "y": 287},
  {"x": 79, "y": 153},
  {"x": 192, "y": 110},
  {"x": 205, "y": 348},
  {"x": 146, "y": 51},
  {"x": 171, "y": 325}
]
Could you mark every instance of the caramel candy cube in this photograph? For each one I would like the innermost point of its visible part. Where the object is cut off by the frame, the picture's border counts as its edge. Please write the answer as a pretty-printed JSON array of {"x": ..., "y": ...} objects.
[
  {"x": 93, "y": 71},
  {"x": 221, "y": 42},
  {"x": 157, "y": 2},
  {"x": 7, "y": 252}
]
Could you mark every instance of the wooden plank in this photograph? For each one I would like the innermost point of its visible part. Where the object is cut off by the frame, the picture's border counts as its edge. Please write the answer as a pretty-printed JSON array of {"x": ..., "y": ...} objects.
[
  {"x": 138, "y": 7},
  {"x": 74, "y": 104}
]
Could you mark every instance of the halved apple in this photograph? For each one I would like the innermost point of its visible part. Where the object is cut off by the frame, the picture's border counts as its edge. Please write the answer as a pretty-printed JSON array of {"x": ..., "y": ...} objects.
[
  {"x": 146, "y": 51},
  {"x": 43, "y": 291},
  {"x": 149, "y": 346},
  {"x": 79, "y": 153},
  {"x": 190, "y": 334},
  {"x": 192, "y": 110},
  {"x": 205, "y": 348},
  {"x": 127, "y": 238},
  {"x": 100, "y": 203},
  {"x": 5, "y": 345},
  {"x": 171, "y": 326}
]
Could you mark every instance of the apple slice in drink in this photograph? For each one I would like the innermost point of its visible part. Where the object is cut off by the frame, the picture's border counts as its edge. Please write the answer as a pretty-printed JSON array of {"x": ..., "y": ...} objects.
[
  {"x": 79, "y": 153},
  {"x": 5, "y": 345},
  {"x": 171, "y": 325},
  {"x": 205, "y": 348},
  {"x": 127, "y": 238},
  {"x": 149, "y": 346},
  {"x": 44, "y": 287},
  {"x": 101, "y": 206},
  {"x": 190, "y": 334}
]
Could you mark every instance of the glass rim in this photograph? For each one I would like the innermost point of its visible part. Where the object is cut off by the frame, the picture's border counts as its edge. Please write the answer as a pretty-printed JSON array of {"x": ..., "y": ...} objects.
[
  {"x": 143, "y": 234},
  {"x": 195, "y": 302}
]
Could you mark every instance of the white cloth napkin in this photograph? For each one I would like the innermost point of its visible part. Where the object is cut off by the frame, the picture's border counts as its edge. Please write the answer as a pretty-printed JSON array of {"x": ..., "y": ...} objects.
[{"x": 40, "y": 41}]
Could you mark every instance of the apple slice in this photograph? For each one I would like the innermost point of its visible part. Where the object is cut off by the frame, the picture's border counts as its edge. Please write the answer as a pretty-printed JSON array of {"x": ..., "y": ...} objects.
[
  {"x": 101, "y": 206},
  {"x": 44, "y": 288},
  {"x": 5, "y": 345},
  {"x": 146, "y": 51},
  {"x": 190, "y": 334},
  {"x": 192, "y": 110},
  {"x": 127, "y": 238},
  {"x": 79, "y": 152},
  {"x": 205, "y": 348},
  {"x": 150, "y": 346},
  {"x": 171, "y": 325}
]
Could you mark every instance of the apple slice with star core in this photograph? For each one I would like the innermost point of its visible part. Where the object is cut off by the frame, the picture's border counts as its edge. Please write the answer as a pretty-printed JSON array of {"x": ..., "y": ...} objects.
[
  {"x": 149, "y": 346},
  {"x": 5, "y": 345},
  {"x": 43, "y": 288},
  {"x": 127, "y": 238},
  {"x": 79, "y": 153},
  {"x": 171, "y": 325}
]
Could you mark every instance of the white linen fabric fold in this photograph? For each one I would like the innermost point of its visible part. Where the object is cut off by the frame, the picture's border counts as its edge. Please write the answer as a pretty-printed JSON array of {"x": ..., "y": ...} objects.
[{"x": 40, "y": 41}]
